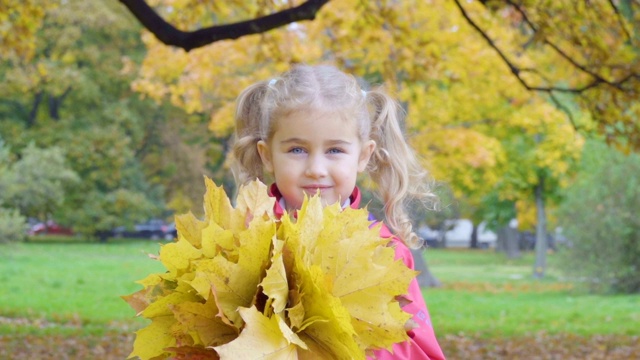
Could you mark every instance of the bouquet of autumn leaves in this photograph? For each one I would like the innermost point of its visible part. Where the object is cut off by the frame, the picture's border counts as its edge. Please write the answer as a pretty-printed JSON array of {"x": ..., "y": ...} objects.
[{"x": 241, "y": 284}]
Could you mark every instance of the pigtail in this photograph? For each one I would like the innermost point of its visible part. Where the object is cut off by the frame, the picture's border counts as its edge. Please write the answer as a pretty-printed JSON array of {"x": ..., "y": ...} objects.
[
  {"x": 395, "y": 168},
  {"x": 250, "y": 117}
]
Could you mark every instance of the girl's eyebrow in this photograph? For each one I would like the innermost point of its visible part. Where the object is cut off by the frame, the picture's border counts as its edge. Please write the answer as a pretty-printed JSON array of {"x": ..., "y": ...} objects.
[
  {"x": 292, "y": 141},
  {"x": 295, "y": 140},
  {"x": 338, "y": 142}
]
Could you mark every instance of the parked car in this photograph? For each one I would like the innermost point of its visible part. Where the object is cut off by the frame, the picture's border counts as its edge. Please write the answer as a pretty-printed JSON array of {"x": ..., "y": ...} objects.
[
  {"x": 153, "y": 229},
  {"x": 429, "y": 236},
  {"x": 49, "y": 228},
  {"x": 171, "y": 233},
  {"x": 528, "y": 240}
]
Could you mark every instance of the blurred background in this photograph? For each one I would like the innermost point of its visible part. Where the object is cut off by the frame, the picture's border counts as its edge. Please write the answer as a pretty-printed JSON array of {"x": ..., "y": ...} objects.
[{"x": 526, "y": 113}]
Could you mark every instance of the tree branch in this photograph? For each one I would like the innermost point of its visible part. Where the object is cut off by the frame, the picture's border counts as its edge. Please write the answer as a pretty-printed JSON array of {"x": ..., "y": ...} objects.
[
  {"x": 189, "y": 40},
  {"x": 56, "y": 102},
  {"x": 31, "y": 120},
  {"x": 620, "y": 19},
  {"x": 597, "y": 79},
  {"x": 564, "y": 109}
]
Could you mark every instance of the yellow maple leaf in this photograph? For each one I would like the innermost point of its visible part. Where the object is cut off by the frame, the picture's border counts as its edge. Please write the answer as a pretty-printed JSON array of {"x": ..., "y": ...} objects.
[
  {"x": 215, "y": 238},
  {"x": 275, "y": 284},
  {"x": 358, "y": 269},
  {"x": 217, "y": 207},
  {"x": 262, "y": 338},
  {"x": 151, "y": 340},
  {"x": 329, "y": 323},
  {"x": 190, "y": 228},
  {"x": 253, "y": 201},
  {"x": 176, "y": 257},
  {"x": 203, "y": 322},
  {"x": 236, "y": 283}
]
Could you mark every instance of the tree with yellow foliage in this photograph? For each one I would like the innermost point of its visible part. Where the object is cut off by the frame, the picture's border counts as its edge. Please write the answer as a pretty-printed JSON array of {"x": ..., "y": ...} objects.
[
  {"x": 548, "y": 46},
  {"x": 463, "y": 103},
  {"x": 468, "y": 73}
]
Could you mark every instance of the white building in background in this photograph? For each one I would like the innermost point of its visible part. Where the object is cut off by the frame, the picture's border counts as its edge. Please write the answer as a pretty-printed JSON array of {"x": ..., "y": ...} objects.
[{"x": 459, "y": 234}]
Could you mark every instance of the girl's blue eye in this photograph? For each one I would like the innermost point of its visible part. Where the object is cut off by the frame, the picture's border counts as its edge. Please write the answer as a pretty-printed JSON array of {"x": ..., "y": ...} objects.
[
  {"x": 335, "y": 151},
  {"x": 296, "y": 150}
]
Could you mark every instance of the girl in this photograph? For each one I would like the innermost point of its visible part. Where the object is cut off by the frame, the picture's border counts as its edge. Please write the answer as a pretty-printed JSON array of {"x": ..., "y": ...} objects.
[{"x": 314, "y": 129}]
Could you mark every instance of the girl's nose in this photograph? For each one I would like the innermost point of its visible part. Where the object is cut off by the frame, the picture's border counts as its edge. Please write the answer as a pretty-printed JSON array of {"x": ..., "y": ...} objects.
[{"x": 316, "y": 168}]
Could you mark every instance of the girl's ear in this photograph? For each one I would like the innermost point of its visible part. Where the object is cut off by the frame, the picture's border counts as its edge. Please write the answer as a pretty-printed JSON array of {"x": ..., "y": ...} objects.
[
  {"x": 365, "y": 154},
  {"x": 265, "y": 155}
]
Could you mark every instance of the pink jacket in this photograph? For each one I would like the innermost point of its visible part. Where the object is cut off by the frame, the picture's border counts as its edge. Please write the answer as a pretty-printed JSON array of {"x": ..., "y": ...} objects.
[{"x": 422, "y": 343}]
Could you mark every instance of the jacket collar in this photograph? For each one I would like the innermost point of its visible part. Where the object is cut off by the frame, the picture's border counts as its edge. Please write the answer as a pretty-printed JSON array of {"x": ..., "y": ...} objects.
[{"x": 279, "y": 210}]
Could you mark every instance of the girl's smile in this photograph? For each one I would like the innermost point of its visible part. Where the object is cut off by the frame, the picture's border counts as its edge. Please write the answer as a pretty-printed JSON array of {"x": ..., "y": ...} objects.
[{"x": 314, "y": 189}]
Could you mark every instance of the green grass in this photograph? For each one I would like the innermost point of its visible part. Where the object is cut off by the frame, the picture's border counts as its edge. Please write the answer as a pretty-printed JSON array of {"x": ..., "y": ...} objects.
[
  {"x": 72, "y": 283},
  {"x": 486, "y": 295},
  {"x": 71, "y": 287}
]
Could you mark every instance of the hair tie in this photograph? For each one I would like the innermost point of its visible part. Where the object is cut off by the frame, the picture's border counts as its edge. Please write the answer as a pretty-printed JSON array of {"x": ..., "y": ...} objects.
[
  {"x": 364, "y": 93},
  {"x": 272, "y": 82}
]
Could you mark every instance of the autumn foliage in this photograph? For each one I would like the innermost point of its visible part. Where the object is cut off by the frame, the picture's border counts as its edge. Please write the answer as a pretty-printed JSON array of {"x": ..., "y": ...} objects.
[{"x": 243, "y": 284}]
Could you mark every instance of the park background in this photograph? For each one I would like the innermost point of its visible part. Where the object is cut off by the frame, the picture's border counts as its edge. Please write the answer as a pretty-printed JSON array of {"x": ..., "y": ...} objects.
[{"x": 524, "y": 110}]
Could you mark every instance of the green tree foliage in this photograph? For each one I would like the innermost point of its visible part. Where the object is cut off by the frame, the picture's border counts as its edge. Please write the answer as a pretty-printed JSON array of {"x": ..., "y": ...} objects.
[
  {"x": 73, "y": 92},
  {"x": 600, "y": 218},
  {"x": 12, "y": 224},
  {"x": 36, "y": 184}
]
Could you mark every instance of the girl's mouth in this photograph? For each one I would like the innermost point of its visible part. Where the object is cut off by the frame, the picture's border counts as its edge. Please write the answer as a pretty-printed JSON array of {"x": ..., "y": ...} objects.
[{"x": 312, "y": 190}]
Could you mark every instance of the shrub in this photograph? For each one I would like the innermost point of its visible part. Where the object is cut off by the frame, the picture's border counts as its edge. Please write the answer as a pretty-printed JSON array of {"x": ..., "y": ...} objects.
[
  {"x": 12, "y": 225},
  {"x": 601, "y": 220}
]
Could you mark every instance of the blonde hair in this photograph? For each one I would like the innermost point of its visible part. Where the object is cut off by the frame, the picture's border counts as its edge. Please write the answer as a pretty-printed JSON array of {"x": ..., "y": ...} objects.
[{"x": 394, "y": 166}]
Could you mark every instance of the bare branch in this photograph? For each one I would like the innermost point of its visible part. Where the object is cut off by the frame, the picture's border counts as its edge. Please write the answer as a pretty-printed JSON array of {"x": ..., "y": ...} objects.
[
  {"x": 189, "y": 40},
  {"x": 597, "y": 79},
  {"x": 515, "y": 70},
  {"x": 564, "y": 109},
  {"x": 620, "y": 19}
]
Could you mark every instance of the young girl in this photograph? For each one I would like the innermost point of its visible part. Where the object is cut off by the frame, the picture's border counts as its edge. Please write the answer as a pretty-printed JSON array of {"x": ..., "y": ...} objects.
[{"x": 314, "y": 129}]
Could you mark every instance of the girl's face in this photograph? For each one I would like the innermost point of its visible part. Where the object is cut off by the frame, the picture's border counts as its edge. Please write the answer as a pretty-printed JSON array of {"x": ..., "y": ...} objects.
[{"x": 313, "y": 151}]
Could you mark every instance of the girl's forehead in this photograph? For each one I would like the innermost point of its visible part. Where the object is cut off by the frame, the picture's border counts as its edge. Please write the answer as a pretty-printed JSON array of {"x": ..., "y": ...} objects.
[
  {"x": 315, "y": 124},
  {"x": 314, "y": 116}
]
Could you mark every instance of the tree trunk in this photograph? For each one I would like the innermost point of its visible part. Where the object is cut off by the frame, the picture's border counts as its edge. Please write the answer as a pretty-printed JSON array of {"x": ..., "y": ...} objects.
[
  {"x": 512, "y": 244},
  {"x": 425, "y": 278},
  {"x": 55, "y": 103},
  {"x": 31, "y": 119},
  {"x": 474, "y": 237},
  {"x": 442, "y": 235},
  {"x": 501, "y": 242},
  {"x": 541, "y": 232}
]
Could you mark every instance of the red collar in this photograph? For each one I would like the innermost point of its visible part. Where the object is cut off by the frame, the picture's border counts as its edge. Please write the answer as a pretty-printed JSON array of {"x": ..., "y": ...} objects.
[{"x": 355, "y": 198}]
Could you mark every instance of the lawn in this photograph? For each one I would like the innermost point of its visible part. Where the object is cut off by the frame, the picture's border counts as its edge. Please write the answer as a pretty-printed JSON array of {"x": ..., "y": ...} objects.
[
  {"x": 71, "y": 289},
  {"x": 63, "y": 284},
  {"x": 486, "y": 295}
]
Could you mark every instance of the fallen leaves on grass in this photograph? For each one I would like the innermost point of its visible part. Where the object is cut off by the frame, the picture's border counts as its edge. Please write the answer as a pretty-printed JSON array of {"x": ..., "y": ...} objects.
[
  {"x": 497, "y": 288},
  {"x": 540, "y": 346},
  {"x": 543, "y": 346},
  {"x": 58, "y": 347}
]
